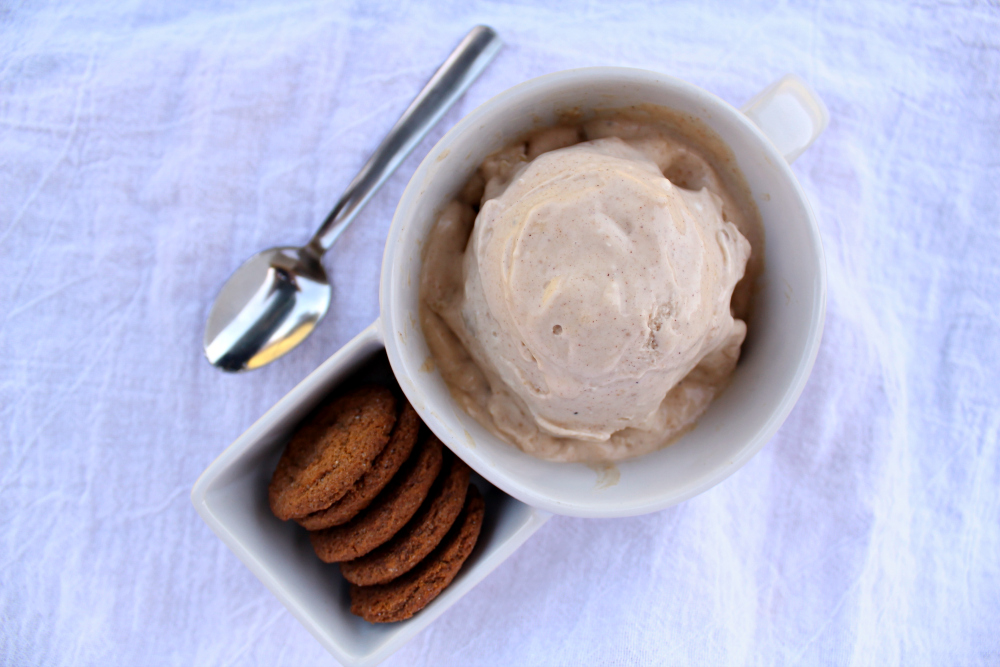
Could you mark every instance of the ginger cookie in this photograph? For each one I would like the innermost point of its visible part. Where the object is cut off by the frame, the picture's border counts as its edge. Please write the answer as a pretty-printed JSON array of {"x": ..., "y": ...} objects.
[
  {"x": 330, "y": 451},
  {"x": 387, "y": 514},
  {"x": 403, "y": 597},
  {"x": 417, "y": 538},
  {"x": 385, "y": 465}
]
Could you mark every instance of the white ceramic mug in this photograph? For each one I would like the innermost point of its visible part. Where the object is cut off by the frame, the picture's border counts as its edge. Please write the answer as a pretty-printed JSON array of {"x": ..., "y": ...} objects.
[{"x": 784, "y": 332}]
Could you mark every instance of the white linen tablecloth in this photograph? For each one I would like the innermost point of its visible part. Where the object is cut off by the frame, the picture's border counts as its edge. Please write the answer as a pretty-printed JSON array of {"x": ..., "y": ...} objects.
[{"x": 148, "y": 148}]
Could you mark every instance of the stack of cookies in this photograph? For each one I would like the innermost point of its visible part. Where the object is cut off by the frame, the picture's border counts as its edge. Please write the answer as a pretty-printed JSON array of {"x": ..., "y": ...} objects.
[{"x": 395, "y": 509}]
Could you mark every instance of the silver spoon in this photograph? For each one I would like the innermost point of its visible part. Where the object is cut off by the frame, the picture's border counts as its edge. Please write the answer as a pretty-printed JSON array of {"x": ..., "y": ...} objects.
[{"x": 272, "y": 302}]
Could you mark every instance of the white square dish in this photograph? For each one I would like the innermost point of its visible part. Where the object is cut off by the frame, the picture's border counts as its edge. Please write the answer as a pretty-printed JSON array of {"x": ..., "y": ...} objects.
[{"x": 231, "y": 496}]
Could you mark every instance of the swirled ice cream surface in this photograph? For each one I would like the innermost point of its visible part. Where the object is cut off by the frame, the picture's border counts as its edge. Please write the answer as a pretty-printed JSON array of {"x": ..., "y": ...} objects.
[{"x": 591, "y": 303}]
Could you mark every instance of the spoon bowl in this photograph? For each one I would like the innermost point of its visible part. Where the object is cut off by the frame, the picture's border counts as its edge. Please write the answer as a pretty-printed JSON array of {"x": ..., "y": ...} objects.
[{"x": 267, "y": 307}]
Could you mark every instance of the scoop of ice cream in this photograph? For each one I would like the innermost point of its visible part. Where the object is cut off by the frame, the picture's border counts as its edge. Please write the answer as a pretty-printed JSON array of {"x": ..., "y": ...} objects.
[{"x": 594, "y": 285}]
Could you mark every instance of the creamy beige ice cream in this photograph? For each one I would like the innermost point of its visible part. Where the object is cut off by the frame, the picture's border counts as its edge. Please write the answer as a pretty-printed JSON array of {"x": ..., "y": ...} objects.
[{"x": 588, "y": 317}]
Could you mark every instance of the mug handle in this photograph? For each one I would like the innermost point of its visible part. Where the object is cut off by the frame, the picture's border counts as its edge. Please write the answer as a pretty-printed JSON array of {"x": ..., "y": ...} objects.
[{"x": 790, "y": 114}]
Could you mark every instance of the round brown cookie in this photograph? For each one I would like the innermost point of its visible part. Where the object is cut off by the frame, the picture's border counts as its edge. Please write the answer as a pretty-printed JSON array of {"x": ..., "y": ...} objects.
[
  {"x": 419, "y": 537},
  {"x": 401, "y": 598},
  {"x": 387, "y": 514},
  {"x": 385, "y": 465},
  {"x": 331, "y": 450}
]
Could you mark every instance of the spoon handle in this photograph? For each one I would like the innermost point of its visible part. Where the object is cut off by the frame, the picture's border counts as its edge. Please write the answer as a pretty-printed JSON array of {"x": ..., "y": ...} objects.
[{"x": 452, "y": 79}]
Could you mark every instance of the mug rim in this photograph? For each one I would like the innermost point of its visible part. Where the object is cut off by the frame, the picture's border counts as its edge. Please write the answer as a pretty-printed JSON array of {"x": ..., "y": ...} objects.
[{"x": 407, "y": 375}]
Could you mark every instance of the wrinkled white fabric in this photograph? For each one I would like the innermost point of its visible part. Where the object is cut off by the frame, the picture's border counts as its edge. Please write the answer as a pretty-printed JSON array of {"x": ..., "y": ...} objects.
[{"x": 147, "y": 148}]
